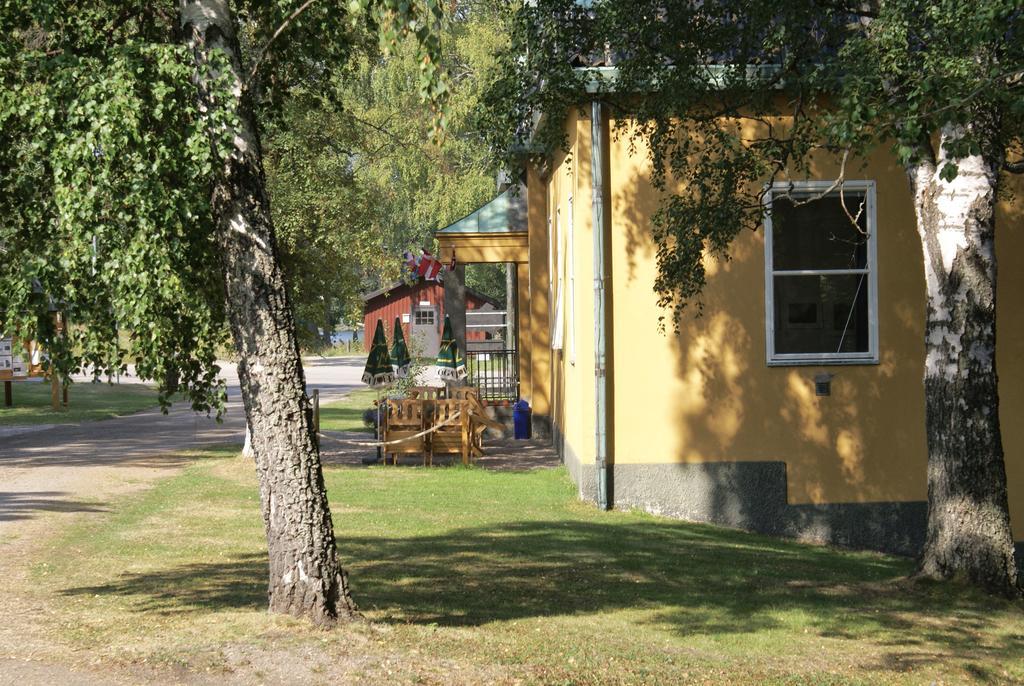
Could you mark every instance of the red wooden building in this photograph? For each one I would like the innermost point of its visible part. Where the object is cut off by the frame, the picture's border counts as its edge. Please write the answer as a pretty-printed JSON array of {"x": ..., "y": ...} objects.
[{"x": 420, "y": 308}]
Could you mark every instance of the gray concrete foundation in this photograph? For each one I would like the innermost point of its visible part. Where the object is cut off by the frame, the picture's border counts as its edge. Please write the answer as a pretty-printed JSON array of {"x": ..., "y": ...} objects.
[
  {"x": 583, "y": 475},
  {"x": 752, "y": 496}
]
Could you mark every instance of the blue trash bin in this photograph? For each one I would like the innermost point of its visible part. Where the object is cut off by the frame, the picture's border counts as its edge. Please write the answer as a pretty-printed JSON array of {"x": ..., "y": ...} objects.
[{"x": 521, "y": 416}]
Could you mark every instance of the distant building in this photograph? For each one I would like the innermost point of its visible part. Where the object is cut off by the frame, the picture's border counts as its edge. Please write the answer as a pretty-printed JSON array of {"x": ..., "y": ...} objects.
[{"x": 420, "y": 308}]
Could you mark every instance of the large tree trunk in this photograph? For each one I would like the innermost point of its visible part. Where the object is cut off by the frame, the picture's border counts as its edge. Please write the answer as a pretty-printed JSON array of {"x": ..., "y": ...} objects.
[
  {"x": 305, "y": 577},
  {"x": 968, "y": 533}
]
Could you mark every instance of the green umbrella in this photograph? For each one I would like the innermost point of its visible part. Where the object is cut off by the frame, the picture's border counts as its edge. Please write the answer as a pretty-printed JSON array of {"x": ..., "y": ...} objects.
[
  {"x": 378, "y": 364},
  {"x": 450, "y": 365},
  {"x": 399, "y": 352}
]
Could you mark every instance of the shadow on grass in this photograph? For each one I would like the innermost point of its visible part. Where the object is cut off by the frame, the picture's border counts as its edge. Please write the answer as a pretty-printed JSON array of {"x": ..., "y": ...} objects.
[
  {"x": 683, "y": 578},
  {"x": 17, "y": 505},
  {"x": 239, "y": 583}
]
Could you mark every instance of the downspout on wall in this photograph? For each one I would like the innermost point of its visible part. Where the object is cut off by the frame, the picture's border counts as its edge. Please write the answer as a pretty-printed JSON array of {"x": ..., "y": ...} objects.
[{"x": 597, "y": 166}]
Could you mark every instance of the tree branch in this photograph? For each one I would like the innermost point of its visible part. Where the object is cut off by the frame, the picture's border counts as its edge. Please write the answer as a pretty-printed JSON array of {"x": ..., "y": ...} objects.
[
  {"x": 1014, "y": 78},
  {"x": 839, "y": 184},
  {"x": 388, "y": 133},
  {"x": 280, "y": 29}
]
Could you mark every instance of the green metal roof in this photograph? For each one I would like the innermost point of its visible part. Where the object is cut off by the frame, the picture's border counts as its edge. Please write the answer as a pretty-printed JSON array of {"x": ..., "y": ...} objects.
[{"x": 505, "y": 214}]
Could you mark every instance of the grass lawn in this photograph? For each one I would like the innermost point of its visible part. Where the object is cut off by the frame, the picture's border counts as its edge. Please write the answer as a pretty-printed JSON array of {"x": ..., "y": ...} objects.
[
  {"x": 347, "y": 414},
  {"x": 86, "y": 401},
  {"x": 470, "y": 576}
]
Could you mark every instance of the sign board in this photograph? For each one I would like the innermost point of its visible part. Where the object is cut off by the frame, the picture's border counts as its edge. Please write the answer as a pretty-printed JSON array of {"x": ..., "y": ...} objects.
[{"x": 19, "y": 360}]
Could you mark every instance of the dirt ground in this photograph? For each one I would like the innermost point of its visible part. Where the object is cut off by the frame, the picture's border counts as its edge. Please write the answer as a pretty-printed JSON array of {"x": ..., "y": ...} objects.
[
  {"x": 36, "y": 500},
  {"x": 52, "y": 475}
]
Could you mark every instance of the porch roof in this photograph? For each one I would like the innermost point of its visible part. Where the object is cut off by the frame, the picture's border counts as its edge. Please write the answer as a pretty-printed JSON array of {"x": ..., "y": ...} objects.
[
  {"x": 505, "y": 214},
  {"x": 494, "y": 232}
]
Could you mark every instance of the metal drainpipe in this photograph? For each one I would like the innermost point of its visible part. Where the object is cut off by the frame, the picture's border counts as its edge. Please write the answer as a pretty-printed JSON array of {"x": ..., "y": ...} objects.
[{"x": 600, "y": 302}]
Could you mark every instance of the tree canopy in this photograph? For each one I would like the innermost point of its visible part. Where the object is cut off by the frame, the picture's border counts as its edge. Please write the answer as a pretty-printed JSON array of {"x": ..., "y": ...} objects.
[
  {"x": 134, "y": 196},
  {"x": 356, "y": 178},
  {"x": 846, "y": 78},
  {"x": 107, "y": 166}
]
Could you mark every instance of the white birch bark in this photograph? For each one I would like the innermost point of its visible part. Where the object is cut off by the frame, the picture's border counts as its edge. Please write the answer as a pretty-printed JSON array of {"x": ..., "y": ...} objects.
[
  {"x": 247, "y": 449},
  {"x": 305, "y": 577},
  {"x": 968, "y": 532}
]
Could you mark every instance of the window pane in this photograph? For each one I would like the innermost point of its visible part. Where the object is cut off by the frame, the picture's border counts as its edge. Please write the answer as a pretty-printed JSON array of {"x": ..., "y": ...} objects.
[
  {"x": 819, "y": 235},
  {"x": 821, "y": 314}
]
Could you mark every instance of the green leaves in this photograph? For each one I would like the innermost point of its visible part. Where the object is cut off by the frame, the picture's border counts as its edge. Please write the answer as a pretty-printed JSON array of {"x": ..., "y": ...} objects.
[
  {"x": 422, "y": 22},
  {"x": 355, "y": 178},
  {"x": 106, "y": 166},
  {"x": 728, "y": 96},
  {"x": 106, "y": 163},
  {"x": 105, "y": 208}
]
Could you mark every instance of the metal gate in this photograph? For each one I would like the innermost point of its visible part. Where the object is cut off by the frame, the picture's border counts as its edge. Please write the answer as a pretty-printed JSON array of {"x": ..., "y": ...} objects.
[{"x": 495, "y": 373}]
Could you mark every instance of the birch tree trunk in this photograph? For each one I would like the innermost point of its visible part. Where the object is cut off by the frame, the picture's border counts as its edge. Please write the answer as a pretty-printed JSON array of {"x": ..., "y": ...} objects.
[
  {"x": 968, "y": 532},
  {"x": 305, "y": 577}
]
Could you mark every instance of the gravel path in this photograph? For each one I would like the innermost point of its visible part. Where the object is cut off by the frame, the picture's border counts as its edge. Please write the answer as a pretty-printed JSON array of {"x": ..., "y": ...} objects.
[{"x": 50, "y": 473}]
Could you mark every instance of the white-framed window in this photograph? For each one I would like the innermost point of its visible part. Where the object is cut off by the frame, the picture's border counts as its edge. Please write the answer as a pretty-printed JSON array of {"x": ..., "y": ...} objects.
[
  {"x": 821, "y": 274},
  {"x": 570, "y": 260},
  {"x": 424, "y": 316},
  {"x": 557, "y": 333}
]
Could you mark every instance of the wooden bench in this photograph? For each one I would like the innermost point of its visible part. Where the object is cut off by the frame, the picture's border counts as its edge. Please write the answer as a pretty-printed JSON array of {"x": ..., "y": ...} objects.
[
  {"x": 426, "y": 407},
  {"x": 405, "y": 419},
  {"x": 479, "y": 421},
  {"x": 425, "y": 392},
  {"x": 454, "y": 438}
]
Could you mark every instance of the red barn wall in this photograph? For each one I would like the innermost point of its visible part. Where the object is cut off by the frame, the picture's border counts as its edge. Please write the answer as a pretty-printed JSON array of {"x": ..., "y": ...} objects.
[{"x": 401, "y": 300}]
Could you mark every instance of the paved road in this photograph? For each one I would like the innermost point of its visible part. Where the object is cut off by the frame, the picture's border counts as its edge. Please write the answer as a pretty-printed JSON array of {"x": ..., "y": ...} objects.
[
  {"x": 152, "y": 432},
  {"x": 34, "y": 461},
  {"x": 334, "y": 376}
]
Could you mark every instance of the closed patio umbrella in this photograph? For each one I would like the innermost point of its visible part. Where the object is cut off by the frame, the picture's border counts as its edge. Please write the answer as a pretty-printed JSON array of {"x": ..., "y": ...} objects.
[
  {"x": 450, "y": 364},
  {"x": 378, "y": 371},
  {"x": 400, "y": 358}
]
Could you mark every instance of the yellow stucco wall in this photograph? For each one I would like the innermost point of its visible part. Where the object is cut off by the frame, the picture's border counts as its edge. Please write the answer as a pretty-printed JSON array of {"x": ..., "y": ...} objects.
[
  {"x": 524, "y": 331},
  {"x": 569, "y": 211},
  {"x": 706, "y": 394},
  {"x": 1010, "y": 348},
  {"x": 535, "y": 378}
]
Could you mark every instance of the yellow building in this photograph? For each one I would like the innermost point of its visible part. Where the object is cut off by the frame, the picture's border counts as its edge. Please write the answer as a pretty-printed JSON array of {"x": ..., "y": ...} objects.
[{"x": 794, "y": 406}]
